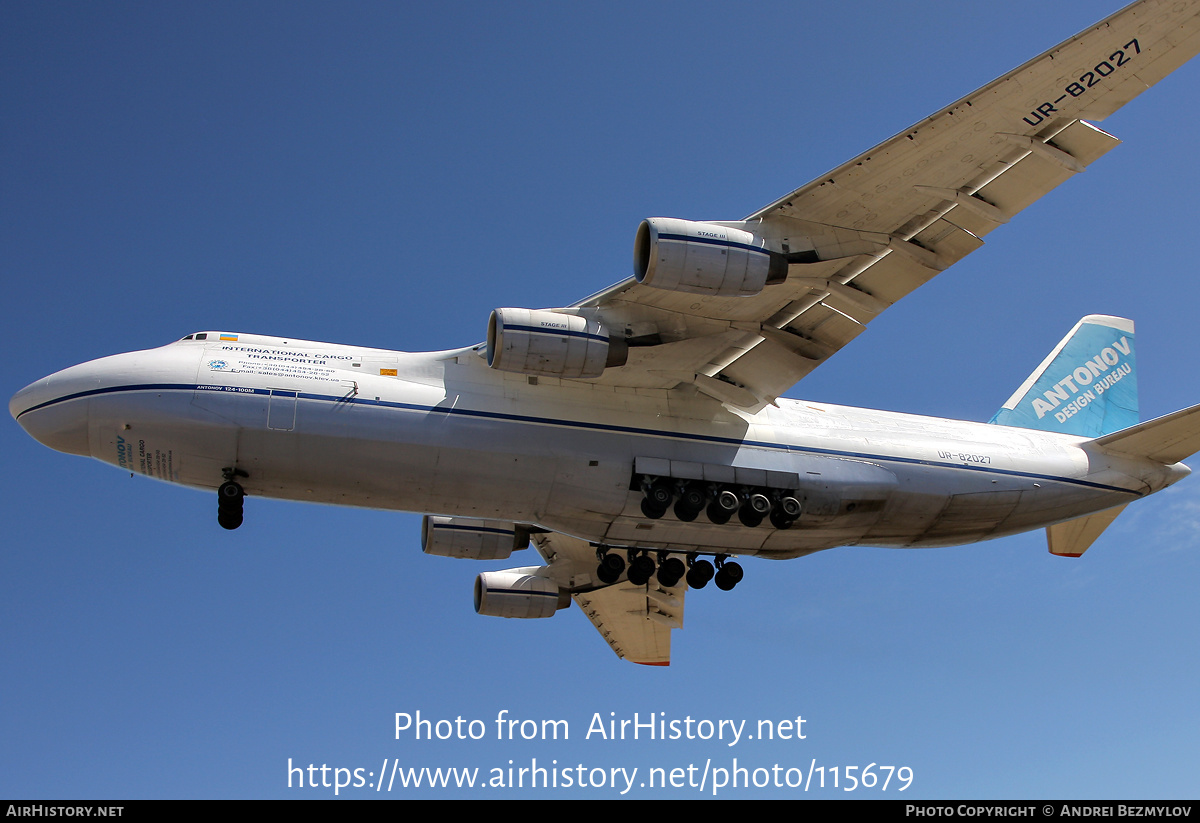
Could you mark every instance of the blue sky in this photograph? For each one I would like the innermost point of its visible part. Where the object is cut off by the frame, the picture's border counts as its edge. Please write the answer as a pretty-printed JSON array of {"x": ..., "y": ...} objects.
[{"x": 386, "y": 174}]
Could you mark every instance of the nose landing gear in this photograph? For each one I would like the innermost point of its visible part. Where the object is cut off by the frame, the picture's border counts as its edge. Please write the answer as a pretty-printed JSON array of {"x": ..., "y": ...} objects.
[{"x": 230, "y": 497}]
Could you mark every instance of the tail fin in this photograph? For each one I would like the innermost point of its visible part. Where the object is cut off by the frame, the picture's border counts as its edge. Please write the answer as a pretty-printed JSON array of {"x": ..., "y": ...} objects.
[{"x": 1087, "y": 386}]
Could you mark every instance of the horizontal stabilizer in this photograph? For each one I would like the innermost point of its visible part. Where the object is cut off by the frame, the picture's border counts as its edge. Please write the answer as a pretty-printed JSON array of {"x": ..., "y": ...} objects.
[
  {"x": 1167, "y": 439},
  {"x": 1071, "y": 539}
]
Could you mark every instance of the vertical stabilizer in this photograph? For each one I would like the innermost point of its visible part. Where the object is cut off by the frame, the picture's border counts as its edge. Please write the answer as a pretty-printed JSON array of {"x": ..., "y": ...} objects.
[{"x": 1086, "y": 386}]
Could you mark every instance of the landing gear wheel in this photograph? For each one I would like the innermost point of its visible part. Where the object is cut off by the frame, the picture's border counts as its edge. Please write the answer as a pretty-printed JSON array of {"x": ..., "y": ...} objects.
[
  {"x": 759, "y": 502},
  {"x": 722, "y": 507},
  {"x": 728, "y": 576},
  {"x": 230, "y": 497},
  {"x": 610, "y": 568},
  {"x": 670, "y": 571},
  {"x": 789, "y": 507},
  {"x": 660, "y": 494},
  {"x": 749, "y": 517},
  {"x": 699, "y": 574},
  {"x": 690, "y": 503},
  {"x": 780, "y": 520},
  {"x": 652, "y": 511},
  {"x": 641, "y": 569}
]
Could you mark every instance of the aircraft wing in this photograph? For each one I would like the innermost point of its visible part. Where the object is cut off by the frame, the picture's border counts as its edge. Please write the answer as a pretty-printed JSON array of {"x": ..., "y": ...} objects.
[
  {"x": 869, "y": 232},
  {"x": 636, "y": 621}
]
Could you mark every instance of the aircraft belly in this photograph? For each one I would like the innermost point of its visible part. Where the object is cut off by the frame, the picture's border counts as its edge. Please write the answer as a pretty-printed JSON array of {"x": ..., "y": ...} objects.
[
  {"x": 407, "y": 459},
  {"x": 925, "y": 513}
]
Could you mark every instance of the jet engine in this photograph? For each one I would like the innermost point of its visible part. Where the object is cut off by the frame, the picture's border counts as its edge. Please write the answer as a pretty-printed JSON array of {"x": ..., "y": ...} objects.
[
  {"x": 472, "y": 539},
  {"x": 704, "y": 258},
  {"x": 551, "y": 343},
  {"x": 518, "y": 593}
]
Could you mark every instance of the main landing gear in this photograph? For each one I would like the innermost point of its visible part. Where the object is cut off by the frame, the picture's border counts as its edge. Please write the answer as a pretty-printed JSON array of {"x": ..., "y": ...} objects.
[
  {"x": 669, "y": 569},
  {"x": 230, "y": 496},
  {"x": 719, "y": 501}
]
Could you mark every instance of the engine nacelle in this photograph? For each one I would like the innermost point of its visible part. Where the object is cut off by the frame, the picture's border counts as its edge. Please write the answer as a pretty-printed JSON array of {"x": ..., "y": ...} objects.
[
  {"x": 470, "y": 538},
  {"x": 551, "y": 343},
  {"x": 519, "y": 593},
  {"x": 704, "y": 258}
]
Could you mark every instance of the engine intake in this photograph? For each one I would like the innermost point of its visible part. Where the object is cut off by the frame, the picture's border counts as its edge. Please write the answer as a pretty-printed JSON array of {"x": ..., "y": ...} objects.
[
  {"x": 704, "y": 258},
  {"x": 551, "y": 343}
]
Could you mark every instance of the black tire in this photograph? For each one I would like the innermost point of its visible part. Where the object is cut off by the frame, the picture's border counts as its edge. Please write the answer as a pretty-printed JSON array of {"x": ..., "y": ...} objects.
[
  {"x": 726, "y": 501},
  {"x": 699, "y": 574},
  {"x": 716, "y": 515},
  {"x": 690, "y": 503},
  {"x": 229, "y": 520},
  {"x": 788, "y": 507},
  {"x": 728, "y": 576},
  {"x": 759, "y": 502},
  {"x": 749, "y": 517},
  {"x": 652, "y": 511},
  {"x": 641, "y": 569},
  {"x": 660, "y": 494},
  {"x": 780, "y": 521},
  {"x": 670, "y": 571},
  {"x": 614, "y": 563},
  {"x": 606, "y": 575},
  {"x": 684, "y": 513}
]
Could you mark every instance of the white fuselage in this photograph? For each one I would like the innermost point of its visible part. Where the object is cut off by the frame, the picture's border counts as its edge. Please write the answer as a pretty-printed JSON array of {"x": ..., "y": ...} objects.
[{"x": 442, "y": 433}]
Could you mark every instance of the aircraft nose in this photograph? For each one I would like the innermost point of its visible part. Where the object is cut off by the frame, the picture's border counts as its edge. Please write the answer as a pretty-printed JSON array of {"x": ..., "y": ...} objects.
[{"x": 54, "y": 410}]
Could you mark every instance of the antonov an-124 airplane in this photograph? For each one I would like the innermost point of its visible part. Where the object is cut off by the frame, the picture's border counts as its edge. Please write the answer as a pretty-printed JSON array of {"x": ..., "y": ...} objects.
[{"x": 638, "y": 439}]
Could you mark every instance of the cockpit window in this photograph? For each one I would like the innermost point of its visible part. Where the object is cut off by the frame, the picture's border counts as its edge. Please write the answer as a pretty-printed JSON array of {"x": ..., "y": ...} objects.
[
  {"x": 202, "y": 336},
  {"x": 189, "y": 337}
]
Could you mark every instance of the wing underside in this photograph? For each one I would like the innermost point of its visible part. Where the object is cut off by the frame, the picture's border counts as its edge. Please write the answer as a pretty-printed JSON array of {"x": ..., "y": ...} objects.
[{"x": 868, "y": 233}]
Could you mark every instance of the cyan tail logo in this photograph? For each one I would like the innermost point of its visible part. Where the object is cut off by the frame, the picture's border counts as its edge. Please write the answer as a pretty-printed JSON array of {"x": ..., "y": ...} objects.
[{"x": 1087, "y": 386}]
